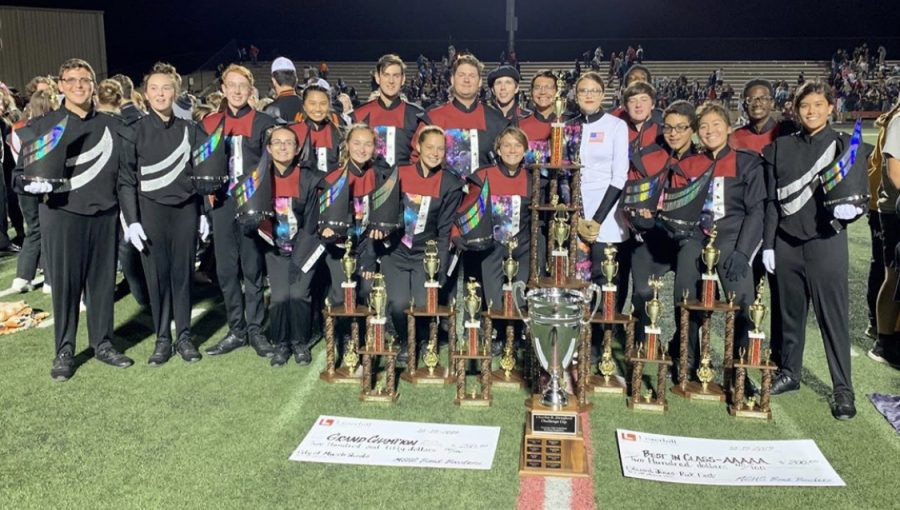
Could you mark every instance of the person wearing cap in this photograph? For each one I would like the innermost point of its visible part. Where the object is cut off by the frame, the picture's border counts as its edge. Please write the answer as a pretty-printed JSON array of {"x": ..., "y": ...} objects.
[
  {"x": 240, "y": 261},
  {"x": 504, "y": 85},
  {"x": 393, "y": 118},
  {"x": 287, "y": 104}
]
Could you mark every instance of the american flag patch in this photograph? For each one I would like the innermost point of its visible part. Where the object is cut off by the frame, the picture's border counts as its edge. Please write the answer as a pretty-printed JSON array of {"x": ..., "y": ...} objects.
[{"x": 596, "y": 137}]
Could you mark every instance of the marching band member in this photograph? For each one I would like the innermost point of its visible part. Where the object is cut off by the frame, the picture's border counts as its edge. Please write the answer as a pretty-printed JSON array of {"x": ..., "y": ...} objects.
[
  {"x": 168, "y": 213},
  {"x": 319, "y": 130},
  {"x": 291, "y": 233},
  {"x": 816, "y": 186},
  {"x": 239, "y": 255}
]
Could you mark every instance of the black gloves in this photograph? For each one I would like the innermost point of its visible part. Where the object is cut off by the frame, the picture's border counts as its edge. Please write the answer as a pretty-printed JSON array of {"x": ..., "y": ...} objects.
[{"x": 736, "y": 266}]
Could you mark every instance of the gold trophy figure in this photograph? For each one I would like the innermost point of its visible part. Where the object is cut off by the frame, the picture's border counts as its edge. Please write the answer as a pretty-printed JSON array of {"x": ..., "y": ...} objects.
[
  {"x": 432, "y": 264},
  {"x": 758, "y": 312},
  {"x": 705, "y": 373},
  {"x": 510, "y": 269},
  {"x": 710, "y": 256},
  {"x": 610, "y": 269},
  {"x": 560, "y": 230},
  {"x": 654, "y": 307},
  {"x": 378, "y": 305},
  {"x": 348, "y": 264},
  {"x": 557, "y": 135},
  {"x": 472, "y": 305}
]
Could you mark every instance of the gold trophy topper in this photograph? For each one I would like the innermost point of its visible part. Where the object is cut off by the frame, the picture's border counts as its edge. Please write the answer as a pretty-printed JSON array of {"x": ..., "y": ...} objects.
[
  {"x": 348, "y": 263},
  {"x": 654, "y": 306},
  {"x": 711, "y": 253},
  {"x": 511, "y": 265},
  {"x": 758, "y": 308},
  {"x": 472, "y": 300},
  {"x": 559, "y": 103},
  {"x": 609, "y": 266},
  {"x": 561, "y": 227},
  {"x": 378, "y": 296},
  {"x": 431, "y": 261}
]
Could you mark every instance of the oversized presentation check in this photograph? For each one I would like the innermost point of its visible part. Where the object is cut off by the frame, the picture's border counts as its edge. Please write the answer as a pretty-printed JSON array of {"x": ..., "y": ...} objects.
[
  {"x": 340, "y": 440},
  {"x": 724, "y": 462}
]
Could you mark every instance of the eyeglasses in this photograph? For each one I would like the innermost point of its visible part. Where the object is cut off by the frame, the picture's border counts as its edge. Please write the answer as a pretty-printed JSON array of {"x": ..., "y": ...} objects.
[
  {"x": 283, "y": 143},
  {"x": 758, "y": 100},
  {"x": 680, "y": 128},
  {"x": 545, "y": 88},
  {"x": 589, "y": 92},
  {"x": 72, "y": 81}
]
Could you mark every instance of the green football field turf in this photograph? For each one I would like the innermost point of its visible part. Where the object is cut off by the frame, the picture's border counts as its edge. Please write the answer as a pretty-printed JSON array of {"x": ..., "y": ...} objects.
[{"x": 219, "y": 433}]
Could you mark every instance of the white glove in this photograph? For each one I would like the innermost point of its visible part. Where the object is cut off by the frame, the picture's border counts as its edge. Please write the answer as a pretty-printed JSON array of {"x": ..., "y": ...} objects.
[
  {"x": 846, "y": 211},
  {"x": 769, "y": 260},
  {"x": 204, "y": 227},
  {"x": 38, "y": 188},
  {"x": 136, "y": 236}
]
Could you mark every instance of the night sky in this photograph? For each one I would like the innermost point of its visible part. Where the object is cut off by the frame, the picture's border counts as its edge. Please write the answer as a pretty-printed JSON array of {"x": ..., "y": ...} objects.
[{"x": 188, "y": 32}]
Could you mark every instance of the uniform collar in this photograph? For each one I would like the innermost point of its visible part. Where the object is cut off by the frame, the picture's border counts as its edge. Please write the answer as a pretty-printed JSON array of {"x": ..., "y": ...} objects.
[
  {"x": 825, "y": 134},
  {"x": 390, "y": 106},
  {"x": 593, "y": 117},
  {"x": 159, "y": 122},
  {"x": 721, "y": 155},
  {"x": 768, "y": 126},
  {"x": 420, "y": 168},
  {"x": 356, "y": 170},
  {"x": 506, "y": 171},
  {"x": 244, "y": 110},
  {"x": 455, "y": 102}
]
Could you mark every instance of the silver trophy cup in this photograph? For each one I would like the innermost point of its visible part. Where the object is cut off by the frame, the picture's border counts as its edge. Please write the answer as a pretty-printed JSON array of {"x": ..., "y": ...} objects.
[{"x": 555, "y": 318}]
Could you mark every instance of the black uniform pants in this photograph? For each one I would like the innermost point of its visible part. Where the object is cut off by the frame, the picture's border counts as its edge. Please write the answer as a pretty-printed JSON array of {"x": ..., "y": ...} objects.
[
  {"x": 240, "y": 266},
  {"x": 656, "y": 256},
  {"x": 27, "y": 261},
  {"x": 814, "y": 270},
  {"x": 81, "y": 251},
  {"x": 130, "y": 262},
  {"x": 493, "y": 278},
  {"x": 290, "y": 304},
  {"x": 169, "y": 263},
  {"x": 876, "y": 265},
  {"x": 404, "y": 279},
  {"x": 333, "y": 255}
]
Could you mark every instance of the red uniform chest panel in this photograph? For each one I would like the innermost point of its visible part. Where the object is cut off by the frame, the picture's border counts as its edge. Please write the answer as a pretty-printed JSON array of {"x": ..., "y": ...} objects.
[
  {"x": 648, "y": 135},
  {"x": 653, "y": 162},
  {"x": 746, "y": 138},
  {"x": 319, "y": 139},
  {"x": 413, "y": 183},
  {"x": 374, "y": 114},
  {"x": 502, "y": 184},
  {"x": 535, "y": 129},
  {"x": 288, "y": 186},
  {"x": 362, "y": 185},
  {"x": 234, "y": 126},
  {"x": 450, "y": 117},
  {"x": 692, "y": 167}
]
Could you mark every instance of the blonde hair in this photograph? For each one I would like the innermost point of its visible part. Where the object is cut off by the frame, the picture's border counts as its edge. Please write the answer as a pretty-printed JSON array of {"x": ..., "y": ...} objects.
[
  {"x": 516, "y": 133},
  {"x": 344, "y": 148},
  {"x": 239, "y": 69},
  {"x": 41, "y": 102},
  {"x": 109, "y": 93}
]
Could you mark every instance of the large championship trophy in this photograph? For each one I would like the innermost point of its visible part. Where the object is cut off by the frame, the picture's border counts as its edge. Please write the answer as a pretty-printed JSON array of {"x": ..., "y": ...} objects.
[
  {"x": 553, "y": 443},
  {"x": 473, "y": 347},
  {"x": 755, "y": 356},
  {"x": 378, "y": 344},
  {"x": 651, "y": 351},
  {"x": 349, "y": 372},
  {"x": 706, "y": 389}
]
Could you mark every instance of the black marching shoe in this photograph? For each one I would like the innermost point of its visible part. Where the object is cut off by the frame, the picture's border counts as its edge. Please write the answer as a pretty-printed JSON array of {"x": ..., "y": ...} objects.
[
  {"x": 113, "y": 357},
  {"x": 784, "y": 383},
  {"x": 227, "y": 344},
  {"x": 842, "y": 406},
  {"x": 187, "y": 350},
  {"x": 281, "y": 356},
  {"x": 161, "y": 354},
  {"x": 301, "y": 354},
  {"x": 403, "y": 353},
  {"x": 496, "y": 348},
  {"x": 261, "y": 345},
  {"x": 63, "y": 367}
]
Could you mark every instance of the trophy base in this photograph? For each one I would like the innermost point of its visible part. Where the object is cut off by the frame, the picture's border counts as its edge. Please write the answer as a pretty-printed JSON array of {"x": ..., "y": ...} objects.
[
  {"x": 384, "y": 398},
  {"x": 470, "y": 401},
  {"x": 440, "y": 375},
  {"x": 515, "y": 380},
  {"x": 694, "y": 391},
  {"x": 755, "y": 414},
  {"x": 342, "y": 375},
  {"x": 651, "y": 406},
  {"x": 615, "y": 386},
  {"x": 550, "y": 454}
]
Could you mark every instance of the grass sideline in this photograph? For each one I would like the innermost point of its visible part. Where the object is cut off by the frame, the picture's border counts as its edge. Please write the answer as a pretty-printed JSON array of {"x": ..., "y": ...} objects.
[{"x": 219, "y": 433}]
